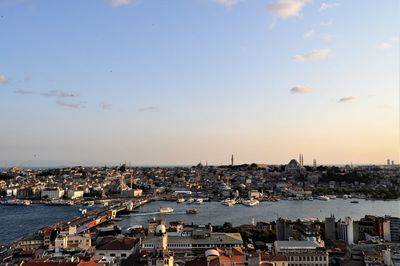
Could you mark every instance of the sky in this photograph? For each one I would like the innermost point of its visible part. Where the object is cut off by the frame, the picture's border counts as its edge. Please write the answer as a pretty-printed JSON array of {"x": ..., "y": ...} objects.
[{"x": 176, "y": 82}]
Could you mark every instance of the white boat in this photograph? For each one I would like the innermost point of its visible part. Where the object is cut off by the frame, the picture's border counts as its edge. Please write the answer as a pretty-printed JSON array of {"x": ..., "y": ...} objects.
[
  {"x": 250, "y": 202},
  {"x": 324, "y": 198},
  {"x": 310, "y": 198},
  {"x": 60, "y": 202},
  {"x": 17, "y": 202},
  {"x": 166, "y": 210},
  {"x": 229, "y": 202},
  {"x": 345, "y": 196},
  {"x": 198, "y": 201},
  {"x": 180, "y": 200},
  {"x": 331, "y": 196},
  {"x": 190, "y": 201}
]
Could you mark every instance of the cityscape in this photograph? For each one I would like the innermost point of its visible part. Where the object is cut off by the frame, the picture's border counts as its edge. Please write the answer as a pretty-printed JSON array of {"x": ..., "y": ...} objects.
[{"x": 199, "y": 133}]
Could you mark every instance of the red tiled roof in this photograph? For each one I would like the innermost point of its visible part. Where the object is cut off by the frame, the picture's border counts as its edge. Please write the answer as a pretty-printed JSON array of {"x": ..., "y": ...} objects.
[
  {"x": 41, "y": 262},
  {"x": 125, "y": 243}
]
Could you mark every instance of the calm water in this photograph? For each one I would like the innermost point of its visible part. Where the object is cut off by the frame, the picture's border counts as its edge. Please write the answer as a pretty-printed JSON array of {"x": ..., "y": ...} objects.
[
  {"x": 216, "y": 213},
  {"x": 17, "y": 221}
]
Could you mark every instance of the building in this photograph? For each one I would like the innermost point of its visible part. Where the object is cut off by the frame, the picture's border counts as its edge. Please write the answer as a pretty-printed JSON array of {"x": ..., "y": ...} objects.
[
  {"x": 345, "y": 230},
  {"x": 52, "y": 193},
  {"x": 394, "y": 228},
  {"x": 193, "y": 240},
  {"x": 74, "y": 194},
  {"x": 82, "y": 242},
  {"x": 284, "y": 229},
  {"x": 330, "y": 228},
  {"x": 302, "y": 253},
  {"x": 119, "y": 247},
  {"x": 159, "y": 254}
]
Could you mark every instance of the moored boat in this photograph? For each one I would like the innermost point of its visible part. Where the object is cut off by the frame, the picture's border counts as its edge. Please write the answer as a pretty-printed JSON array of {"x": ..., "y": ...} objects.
[
  {"x": 60, "y": 202},
  {"x": 323, "y": 198},
  {"x": 250, "y": 202},
  {"x": 229, "y": 202},
  {"x": 166, "y": 210},
  {"x": 17, "y": 202},
  {"x": 191, "y": 211}
]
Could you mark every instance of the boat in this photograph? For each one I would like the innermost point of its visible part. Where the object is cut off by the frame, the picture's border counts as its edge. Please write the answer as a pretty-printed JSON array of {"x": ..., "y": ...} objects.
[
  {"x": 134, "y": 227},
  {"x": 89, "y": 203},
  {"x": 191, "y": 211},
  {"x": 354, "y": 201},
  {"x": 190, "y": 201},
  {"x": 310, "y": 198},
  {"x": 198, "y": 201},
  {"x": 345, "y": 196},
  {"x": 166, "y": 210},
  {"x": 250, "y": 202},
  {"x": 16, "y": 202},
  {"x": 331, "y": 196},
  {"x": 229, "y": 202},
  {"x": 180, "y": 200},
  {"x": 60, "y": 202},
  {"x": 324, "y": 198}
]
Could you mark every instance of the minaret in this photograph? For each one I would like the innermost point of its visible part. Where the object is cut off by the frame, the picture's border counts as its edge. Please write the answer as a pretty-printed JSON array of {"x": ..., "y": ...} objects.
[
  {"x": 232, "y": 160},
  {"x": 315, "y": 163}
]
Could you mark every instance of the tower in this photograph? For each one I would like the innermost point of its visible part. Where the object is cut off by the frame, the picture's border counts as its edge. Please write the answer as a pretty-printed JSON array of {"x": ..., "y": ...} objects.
[
  {"x": 232, "y": 160},
  {"x": 315, "y": 164}
]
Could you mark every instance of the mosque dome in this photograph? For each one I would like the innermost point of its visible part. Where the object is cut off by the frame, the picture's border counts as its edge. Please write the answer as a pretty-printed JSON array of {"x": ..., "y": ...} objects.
[{"x": 161, "y": 229}]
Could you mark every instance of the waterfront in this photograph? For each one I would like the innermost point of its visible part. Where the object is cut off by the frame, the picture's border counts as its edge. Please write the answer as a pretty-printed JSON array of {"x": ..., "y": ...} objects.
[{"x": 18, "y": 221}]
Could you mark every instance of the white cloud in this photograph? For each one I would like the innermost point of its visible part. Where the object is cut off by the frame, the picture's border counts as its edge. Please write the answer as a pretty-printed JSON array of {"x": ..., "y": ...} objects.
[
  {"x": 326, "y": 23},
  {"x": 308, "y": 34},
  {"x": 148, "y": 109},
  {"x": 325, "y": 6},
  {"x": 389, "y": 43},
  {"x": 3, "y": 79},
  {"x": 346, "y": 99},
  {"x": 385, "y": 45},
  {"x": 227, "y": 3},
  {"x": 300, "y": 89},
  {"x": 75, "y": 105},
  {"x": 117, "y": 3},
  {"x": 23, "y": 92},
  {"x": 105, "y": 106},
  {"x": 287, "y": 8},
  {"x": 313, "y": 55},
  {"x": 327, "y": 37},
  {"x": 61, "y": 94}
]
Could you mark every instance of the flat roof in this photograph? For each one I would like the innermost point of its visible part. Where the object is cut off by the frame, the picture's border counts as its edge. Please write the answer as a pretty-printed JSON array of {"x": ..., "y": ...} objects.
[{"x": 296, "y": 244}]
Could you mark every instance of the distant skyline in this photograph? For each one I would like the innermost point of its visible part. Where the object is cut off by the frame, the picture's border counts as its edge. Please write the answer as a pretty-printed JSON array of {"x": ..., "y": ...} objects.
[{"x": 178, "y": 82}]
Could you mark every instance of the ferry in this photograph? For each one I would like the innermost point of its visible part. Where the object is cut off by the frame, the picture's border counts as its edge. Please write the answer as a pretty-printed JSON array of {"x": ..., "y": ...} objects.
[
  {"x": 166, "y": 210},
  {"x": 17, "y": 202},
  {"x": 250, "y": 203},
  {"x": 60, "y": 202},
  {"x": 310, "y": 198},
  {"x": 191, "y": 211},
  {"x": 331, "y": 196},
  {"x": 229, "y": 202},
  {"x": 345, "y": 196},
  {"x": 324, "y": 198}
]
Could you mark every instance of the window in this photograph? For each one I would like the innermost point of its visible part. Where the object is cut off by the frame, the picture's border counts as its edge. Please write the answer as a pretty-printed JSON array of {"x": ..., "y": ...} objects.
[{"x": 123, "y": 255}]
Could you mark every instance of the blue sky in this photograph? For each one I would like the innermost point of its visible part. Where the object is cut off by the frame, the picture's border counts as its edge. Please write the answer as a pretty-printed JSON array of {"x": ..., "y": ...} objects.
[{"x": 176, "y": 82}]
